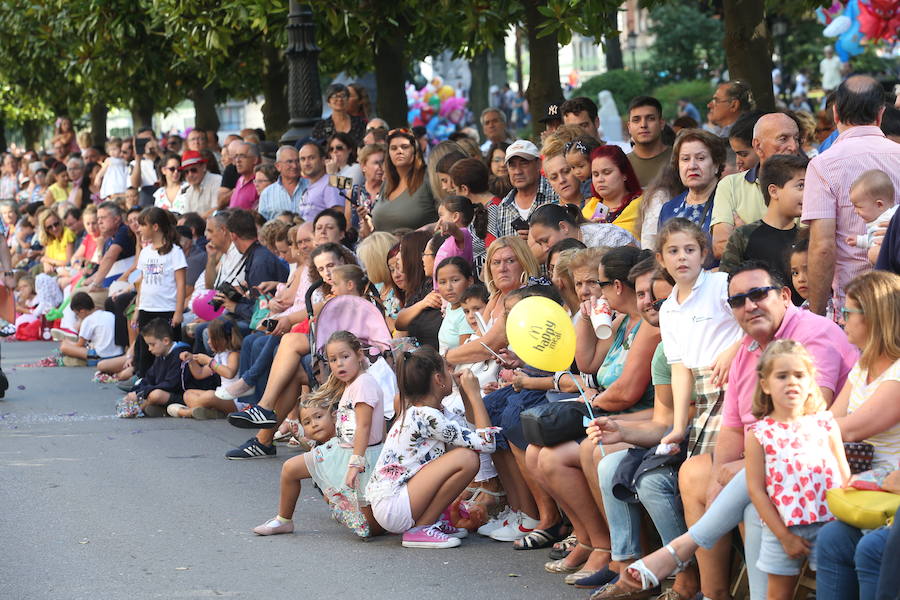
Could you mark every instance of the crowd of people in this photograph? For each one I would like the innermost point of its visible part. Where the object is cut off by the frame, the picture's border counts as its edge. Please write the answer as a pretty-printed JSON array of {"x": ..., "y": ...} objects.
[{"x": 734, "y": 296}]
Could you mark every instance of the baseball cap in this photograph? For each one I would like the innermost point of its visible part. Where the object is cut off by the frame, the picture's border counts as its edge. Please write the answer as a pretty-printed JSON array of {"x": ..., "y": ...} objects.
[
  {"x": 522, "y": 149},
  {"x": 37, "y": 166},
  {"x": 191, "y": 158},
  {"x": 552, "y": 113}
]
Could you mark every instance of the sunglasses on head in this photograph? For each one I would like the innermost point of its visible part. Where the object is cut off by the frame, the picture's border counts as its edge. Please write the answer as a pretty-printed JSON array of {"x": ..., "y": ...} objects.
[{"x": 755, "y": 295}]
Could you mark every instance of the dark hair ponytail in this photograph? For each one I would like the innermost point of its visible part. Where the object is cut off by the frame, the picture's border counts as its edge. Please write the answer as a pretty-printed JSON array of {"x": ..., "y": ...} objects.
[
  {"x": 153, "y": 215},
  {"x": 473, "y": 213},
  {"x": 414, "y": 373},
  {"x": 551, "y": 215}
]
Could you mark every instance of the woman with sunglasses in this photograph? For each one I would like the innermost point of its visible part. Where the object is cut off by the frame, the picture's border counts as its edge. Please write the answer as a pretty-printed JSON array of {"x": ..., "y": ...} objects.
[
  {"x": 341, "y": 158},
  {"x": 340, "y": 121},
  {"x": 58, "y": 241},
  {"x": 170, "y": 177},
  {"x": 406, "y": 201}
]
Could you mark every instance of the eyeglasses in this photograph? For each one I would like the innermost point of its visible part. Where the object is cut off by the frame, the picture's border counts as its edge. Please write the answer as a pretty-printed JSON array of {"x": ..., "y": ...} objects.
[
  {"x": 170, "y": 169},
  {"x": 719, "y": 100},
  {"x": 239, "y": 157},
  {"x": 262, "y": 181},
  {"x": 604, "y": 283},
  {"x": 754, "y": 294},
  {"x": 191, "y": 170},
  {"x": 53, "y": 225},
  {"x": 338, "y": 148},
  {"x": 340, "y": 96},
  {"x": 846, "y": 312},
  {"x": 657, "y": 304}
]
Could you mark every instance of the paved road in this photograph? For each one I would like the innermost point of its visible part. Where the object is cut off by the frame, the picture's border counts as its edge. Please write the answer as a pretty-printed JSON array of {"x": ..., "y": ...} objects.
[{"x": 102, "y": 508}]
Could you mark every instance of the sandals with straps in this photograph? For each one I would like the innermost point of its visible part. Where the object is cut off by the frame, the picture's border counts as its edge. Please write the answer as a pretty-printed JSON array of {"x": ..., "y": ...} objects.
[{"x": 540, "y": 538}]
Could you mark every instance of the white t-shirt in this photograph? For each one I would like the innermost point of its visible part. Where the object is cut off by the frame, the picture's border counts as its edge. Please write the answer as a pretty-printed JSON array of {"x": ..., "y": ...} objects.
[
  {"x": 158, "y": 278},
  {"x": 98, "y": 328},
  {"x": 115, "y": 180},
  {"x": 148, "y": 172},
  {"x": 696, "y": 331}
]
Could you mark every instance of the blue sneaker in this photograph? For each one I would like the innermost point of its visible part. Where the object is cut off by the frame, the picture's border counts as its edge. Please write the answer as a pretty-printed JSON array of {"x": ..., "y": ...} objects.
[
  {"x": 252, "y": 448},
  {"x": 253, "y": 417}
]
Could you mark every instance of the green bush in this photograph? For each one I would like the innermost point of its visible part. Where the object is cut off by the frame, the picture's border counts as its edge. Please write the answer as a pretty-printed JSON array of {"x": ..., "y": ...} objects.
[
  {"x": 624, "y": 86},
  {"x": 698, "y": 92}
]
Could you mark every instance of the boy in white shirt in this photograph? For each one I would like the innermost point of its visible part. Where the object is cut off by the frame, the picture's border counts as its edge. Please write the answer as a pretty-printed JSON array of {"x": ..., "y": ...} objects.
[{"x": 96, "y": 336}]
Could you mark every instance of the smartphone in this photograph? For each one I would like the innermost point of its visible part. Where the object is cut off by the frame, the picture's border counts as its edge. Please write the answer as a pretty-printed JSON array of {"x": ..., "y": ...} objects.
[
  {"x": 497, "y": 356},
  {"x": 519, "y": 224},
  {"x": 140, "y": 145},
  {"x": 269, "y": 324},
  {"x": 340, "y": 182},
  {"x": 354, "y": 196}
]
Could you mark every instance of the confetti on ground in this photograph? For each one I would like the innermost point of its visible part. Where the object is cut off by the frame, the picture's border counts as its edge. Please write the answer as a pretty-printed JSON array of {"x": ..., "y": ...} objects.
[
  {"x": 20, "y": 387},
  {"x": 182, "y": 568},
  {"x": 85, "y": 541}
]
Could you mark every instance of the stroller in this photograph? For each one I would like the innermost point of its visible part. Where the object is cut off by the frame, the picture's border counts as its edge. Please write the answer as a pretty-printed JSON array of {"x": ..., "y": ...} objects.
[{"x": 345, "y": 313}]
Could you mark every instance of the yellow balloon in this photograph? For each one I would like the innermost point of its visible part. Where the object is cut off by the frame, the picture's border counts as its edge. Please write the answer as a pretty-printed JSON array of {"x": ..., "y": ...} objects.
[
  {"x": 541, "y": 334},
  {"x": 445, "y": 92}
]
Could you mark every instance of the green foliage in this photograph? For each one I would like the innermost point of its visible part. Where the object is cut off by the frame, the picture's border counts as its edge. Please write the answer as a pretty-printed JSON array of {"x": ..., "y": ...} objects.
[
  {"x": 698, "y": 92},
  {"x": 801, "y": 47},
  {"x": 624, "y": 86},
  {"x": 688, "y": 42}
]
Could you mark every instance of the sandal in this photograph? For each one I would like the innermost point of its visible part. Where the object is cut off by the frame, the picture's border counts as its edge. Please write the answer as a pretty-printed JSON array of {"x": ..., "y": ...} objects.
[
  {"x": 563, "y": 548},
  {"x": 648, "y": 578},
  {"x": 612, "y": 591},
  {"x": 540, "y": 538},
  {"x": 289, "y": 428},
  {"x": 559, "y": 566}
]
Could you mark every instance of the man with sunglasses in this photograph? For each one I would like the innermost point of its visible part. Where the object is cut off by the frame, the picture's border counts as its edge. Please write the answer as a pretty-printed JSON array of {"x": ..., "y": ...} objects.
[
  {"x": 762, "y": 306},
  {"x": 200, "y": 192}
]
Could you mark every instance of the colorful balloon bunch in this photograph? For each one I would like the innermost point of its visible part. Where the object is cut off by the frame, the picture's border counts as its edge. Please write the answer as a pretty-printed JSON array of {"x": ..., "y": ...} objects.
[
  {"x": 859, "y": 21},
  {"x": 437, "y": 107}
]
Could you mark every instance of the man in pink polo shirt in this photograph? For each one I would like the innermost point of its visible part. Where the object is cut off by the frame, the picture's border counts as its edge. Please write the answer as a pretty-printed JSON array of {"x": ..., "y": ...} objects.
[
  {"x": 245, "y": 157},
  {"x": 762, "y": 307},
  {"x": 861, "y": 145}
]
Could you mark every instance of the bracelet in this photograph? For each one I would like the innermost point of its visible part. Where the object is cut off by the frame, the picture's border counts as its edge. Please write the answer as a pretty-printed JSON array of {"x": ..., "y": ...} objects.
[
  {"x": 213, "y": 364},
  {"x": 556, "y": 379},
  {"x": 357, "y": 461}
]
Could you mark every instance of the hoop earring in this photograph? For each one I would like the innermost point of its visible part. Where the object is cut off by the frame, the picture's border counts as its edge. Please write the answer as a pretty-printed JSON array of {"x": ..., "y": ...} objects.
[{"x": 523, "y": 278}]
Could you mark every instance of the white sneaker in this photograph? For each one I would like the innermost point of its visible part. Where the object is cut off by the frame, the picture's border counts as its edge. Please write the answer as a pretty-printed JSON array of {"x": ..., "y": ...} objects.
[
  {"x": 172, "y": 409},
  {"x": 59, "y": 335},
  {"x": 518, "y": 527},
  {"x": 496, "y": 523},
  {"x": 222, "y": 394}
]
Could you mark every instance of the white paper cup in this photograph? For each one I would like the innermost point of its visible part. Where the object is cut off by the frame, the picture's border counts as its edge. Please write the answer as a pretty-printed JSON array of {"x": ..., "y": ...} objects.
[{"x": 601, "y": 319}]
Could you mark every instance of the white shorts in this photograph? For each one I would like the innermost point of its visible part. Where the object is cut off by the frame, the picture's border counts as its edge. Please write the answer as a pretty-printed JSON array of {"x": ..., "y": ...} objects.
[{"x": 394, "y": 513}]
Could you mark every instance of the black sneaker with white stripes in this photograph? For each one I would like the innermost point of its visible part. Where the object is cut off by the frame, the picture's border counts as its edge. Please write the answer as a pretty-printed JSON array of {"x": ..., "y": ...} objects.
[
  {"x": 252, "y": 448},
  {"x": 254, "y": 417}
]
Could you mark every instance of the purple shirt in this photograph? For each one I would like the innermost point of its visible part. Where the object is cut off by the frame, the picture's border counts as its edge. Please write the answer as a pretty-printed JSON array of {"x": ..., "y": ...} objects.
[
  {"x": 833, "y": 355},
  {"x": 244, "y": 195},
  {"x": 317, "y": 197}
]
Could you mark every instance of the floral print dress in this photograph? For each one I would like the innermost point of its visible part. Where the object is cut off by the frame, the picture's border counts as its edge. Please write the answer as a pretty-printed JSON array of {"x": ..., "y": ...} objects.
[{"x": 421, "y": 435}]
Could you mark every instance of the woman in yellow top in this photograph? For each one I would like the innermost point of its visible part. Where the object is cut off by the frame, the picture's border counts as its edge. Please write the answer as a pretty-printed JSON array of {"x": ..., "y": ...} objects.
[
  {"x": 616, "y": 190},
  {"x": 60, "y": 188},
  {"x": 58, "y": 241}
]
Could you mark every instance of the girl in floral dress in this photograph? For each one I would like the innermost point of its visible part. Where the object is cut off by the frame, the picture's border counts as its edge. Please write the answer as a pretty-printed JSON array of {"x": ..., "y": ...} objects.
[
  {"x": 428, "y": 458},
  {"x": 794, "y": 455},
  {"x": 341, "y": 466}
]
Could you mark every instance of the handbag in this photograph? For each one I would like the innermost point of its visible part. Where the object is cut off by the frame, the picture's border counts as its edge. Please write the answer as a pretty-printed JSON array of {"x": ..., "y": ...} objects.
[
  {"x": 861, "y": 508},
  {"x": 554, "y": 423},
  {"x": 859, "y": 456}
]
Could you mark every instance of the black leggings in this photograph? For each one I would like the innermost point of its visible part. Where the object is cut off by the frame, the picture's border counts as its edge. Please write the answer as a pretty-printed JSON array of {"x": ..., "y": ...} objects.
[{"x": 142, "y": 357}]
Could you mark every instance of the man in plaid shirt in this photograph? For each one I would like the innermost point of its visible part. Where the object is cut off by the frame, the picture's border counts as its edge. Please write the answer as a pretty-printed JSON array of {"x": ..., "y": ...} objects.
[{"x": 530, "y": 190}]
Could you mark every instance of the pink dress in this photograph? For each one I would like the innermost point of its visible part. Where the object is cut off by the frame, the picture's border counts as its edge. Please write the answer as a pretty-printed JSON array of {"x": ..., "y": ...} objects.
[{"x": 800, "y": 466}]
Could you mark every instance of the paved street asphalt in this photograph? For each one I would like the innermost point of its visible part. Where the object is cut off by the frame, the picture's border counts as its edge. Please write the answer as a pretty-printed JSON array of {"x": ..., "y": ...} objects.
[{"x": 100, "y": 508}]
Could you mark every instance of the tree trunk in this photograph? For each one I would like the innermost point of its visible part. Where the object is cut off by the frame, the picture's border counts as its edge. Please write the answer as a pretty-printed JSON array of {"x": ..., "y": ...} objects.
[
  {"x": 274, "y": 87},
  {"x": 612, "y": 47},
  {"x": 31, "y": 130},
  {"x": 390, "y": 76},
  {"x": 205, "y": 115},
  {"x": 520, "y": 78},
  {"x": 479, "y": 96},
  {"x": 497, "y": 74},
  {"x": 543, "y": 68},
  {"x": 3, "y": 144},
  {"x": 98, "y": 123},
  {"x": 142, "y": 113},
  {"x": 747, "y": 48}
]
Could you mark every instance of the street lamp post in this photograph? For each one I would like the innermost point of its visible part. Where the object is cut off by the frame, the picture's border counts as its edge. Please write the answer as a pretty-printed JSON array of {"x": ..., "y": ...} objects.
[
  {"x": 304, "y": 93},
  {"x": 632, "y": 47}
]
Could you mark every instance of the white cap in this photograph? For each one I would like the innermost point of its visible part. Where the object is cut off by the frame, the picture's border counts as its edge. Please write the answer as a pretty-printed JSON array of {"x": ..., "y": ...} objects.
[{"x": 522, "y": 149}]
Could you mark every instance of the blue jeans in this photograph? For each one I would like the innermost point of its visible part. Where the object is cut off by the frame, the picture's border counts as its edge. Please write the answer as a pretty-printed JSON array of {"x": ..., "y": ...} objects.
[
  {"x": 730, "y": 507},
  {"x": 257, "y": 352},
  {"x": 657, "y": 491},
  {"x": 849, "y": 563}
]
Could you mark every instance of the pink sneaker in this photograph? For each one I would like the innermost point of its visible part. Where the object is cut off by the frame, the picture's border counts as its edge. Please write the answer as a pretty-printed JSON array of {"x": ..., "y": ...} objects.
[
  {"x": 274, "y": 527},
  {"x": 428, "y": 537},
  {"x": 448, "y": 529}
]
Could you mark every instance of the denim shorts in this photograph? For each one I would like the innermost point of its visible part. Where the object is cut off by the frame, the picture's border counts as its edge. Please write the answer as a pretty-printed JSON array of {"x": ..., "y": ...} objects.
[{"x": 775, "y": 561}]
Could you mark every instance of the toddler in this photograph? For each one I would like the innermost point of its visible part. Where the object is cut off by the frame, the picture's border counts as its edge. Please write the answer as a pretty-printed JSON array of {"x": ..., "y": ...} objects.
[
  {"x": 341, "y": 467},
  {"x": 113, "y": 175},
  {"x": 794, "y": 454},
  {"x": 872, "y": 197},
  {"x": 225, "y": 341},
  {"x": 96, "y": 335}
]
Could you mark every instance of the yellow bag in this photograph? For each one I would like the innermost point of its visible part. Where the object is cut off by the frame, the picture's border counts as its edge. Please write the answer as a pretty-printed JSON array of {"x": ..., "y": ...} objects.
[{"x": 862, "y": 508}]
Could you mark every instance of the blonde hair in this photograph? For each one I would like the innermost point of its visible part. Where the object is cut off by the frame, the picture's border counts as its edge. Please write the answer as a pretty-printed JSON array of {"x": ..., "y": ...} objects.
[
  {"x": 563, "y": 270},
  {"x": 373, "y": 251},
  {"x": 434, "y": 157},
  {"x": 878, "y": 295},
  {"x": 555, "y": 143},
  {"x": 587, "y": 258},
  {"x": 762, "y": 402},
  {"x": 368, "y": 150},
  {"x": 523, "y": 255},
  {"x": 354, "y": 274},
  {"x": 333, "y": 388}
]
